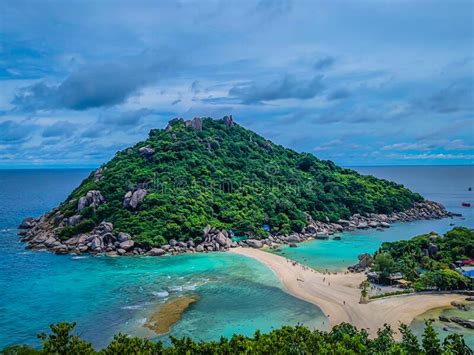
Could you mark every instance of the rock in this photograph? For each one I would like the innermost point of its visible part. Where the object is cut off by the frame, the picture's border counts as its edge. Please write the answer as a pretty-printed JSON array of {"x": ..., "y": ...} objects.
[
  {"x": 156, "y": 252},
  {"x": 121, "y": 251},
  {"x": 362, "y": 225},
  {"x": 223, "y": 240},
  {"x": 132, "y": 199},
  {"x": 98, "y": 173},
  {"x": 432, "y": 250},
  {"x": 384, "y": 225},
  {"x": 200, "y": 248},
  {"x": 373, "y": 224},
  {"x": 96, "y": 244},
  {"x": 73, "y": 220},
  {"x": 147, "y": 152},
  {"x": 190, "y": 243},
  {"x": 92, "y": 198},
  {"x": 463, "y": 322},
  {"x": 173, "y": 242},
  {"x": 27, "y": 223},
  {"x": 254, "y": 243},
  {"x": 293, "y": 245},
  {"x": 444, "y": 319},
  {"x": 228, "y": 121},
  {"x": 127, "y": 244},
  {"x": 460, "y": 306},
  {"x": 122, "y": 237},
  {"x": 470, "y": 299},
  {"x": 195, "y": 123}
]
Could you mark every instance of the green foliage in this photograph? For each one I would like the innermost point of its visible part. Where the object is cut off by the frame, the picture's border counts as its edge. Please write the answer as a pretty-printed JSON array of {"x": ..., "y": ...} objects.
[
  {"x": 385, "y": 264},
  {"x": 409, "y": 257},
  {"x": 81, "y": 227},
  {"x": 342, "y": 339},
  {"x": 445, "y": 279},
  {"x": 61, "y": 341},
  {"x": 232, "y": 178},
  {"x": 393, "y": 293}
]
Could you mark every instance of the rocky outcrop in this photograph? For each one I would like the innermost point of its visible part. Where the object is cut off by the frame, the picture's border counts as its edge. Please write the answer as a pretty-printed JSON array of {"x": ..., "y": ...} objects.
[
  {"x": 228, "y": 121},
  {"x": 132, "y": 199},
  {"x": 98, "y": 173},
  {"x": 462, "y": 322},
  {"x": 93, "y": 198},
  {"x": 147, "y": 152},
  {"x": 195, "y": 123},
  {"x": 460, "y": 306}
]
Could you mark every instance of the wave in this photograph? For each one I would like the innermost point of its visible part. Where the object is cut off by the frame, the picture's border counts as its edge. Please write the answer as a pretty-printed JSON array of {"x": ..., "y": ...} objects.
[
  {"x": 79, "y": 257},
  {"x": 161, "y": 294}
]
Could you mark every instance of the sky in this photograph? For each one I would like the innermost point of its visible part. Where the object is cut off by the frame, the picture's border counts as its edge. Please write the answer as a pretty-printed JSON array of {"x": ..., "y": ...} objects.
[{"x": 357, "y": 82}]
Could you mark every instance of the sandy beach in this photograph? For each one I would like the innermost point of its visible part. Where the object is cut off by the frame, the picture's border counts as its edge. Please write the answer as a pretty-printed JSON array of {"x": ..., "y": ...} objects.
[{"x": 338, "y": 295}]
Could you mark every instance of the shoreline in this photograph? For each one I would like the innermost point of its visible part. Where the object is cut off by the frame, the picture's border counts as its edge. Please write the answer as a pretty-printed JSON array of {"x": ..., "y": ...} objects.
[
  {"x": 338, "y": 295},
  {"x": 44, "y": 234}
]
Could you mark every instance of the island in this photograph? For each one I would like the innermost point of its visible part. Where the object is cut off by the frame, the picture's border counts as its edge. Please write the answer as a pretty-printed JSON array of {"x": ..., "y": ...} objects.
[{"x": 205, "y": 185}]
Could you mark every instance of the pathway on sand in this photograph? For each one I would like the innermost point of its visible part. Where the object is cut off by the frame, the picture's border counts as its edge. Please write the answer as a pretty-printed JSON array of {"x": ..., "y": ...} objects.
[{"x": 338, "y": 295}]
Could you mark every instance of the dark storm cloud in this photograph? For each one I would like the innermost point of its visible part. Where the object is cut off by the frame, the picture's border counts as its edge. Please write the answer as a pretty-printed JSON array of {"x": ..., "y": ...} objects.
[{"x": 98, "y": 86}]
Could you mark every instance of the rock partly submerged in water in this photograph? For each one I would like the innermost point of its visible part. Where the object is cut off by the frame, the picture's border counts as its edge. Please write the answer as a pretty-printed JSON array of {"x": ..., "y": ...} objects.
[{"x": 167, "y": 314}]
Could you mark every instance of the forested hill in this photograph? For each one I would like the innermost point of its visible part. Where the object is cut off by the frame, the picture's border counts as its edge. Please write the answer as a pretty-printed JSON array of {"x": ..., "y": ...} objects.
[{"x": 215, "y": 172}]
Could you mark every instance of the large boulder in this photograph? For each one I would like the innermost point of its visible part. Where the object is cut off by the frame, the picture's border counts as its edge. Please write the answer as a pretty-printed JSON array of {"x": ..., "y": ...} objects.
[
  {"x": 156, "y": 252},
  {"x": 254, "y": 243},
  {"x": 126, "y": 245},
  {"x": 92, "y": 198},
  {"x": 27, "y": 223},
  {"x": 122, "y": 237},
  {"x": 147, "y": 152},
  {"x": 132, "y": 199},
  {"x": 228, "y": 121},
  {"x": 195, "y": 123},
  {"x": 223, "y": 240}
]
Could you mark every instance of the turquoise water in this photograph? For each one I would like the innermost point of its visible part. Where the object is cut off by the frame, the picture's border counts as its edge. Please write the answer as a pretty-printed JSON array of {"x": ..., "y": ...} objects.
[
  {"x": 237, "y": 295},
  {"x": 110, "y": 295}
]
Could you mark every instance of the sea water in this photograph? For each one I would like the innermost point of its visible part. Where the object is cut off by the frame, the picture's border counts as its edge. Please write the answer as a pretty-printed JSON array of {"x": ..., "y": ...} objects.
[
  {"x": 237, "y": 295},
  {"x": 107, "y": 295}
]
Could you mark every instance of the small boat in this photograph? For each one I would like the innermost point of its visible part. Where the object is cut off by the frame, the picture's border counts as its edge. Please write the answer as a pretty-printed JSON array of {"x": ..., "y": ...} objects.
[{"x": 466, "y": 204}]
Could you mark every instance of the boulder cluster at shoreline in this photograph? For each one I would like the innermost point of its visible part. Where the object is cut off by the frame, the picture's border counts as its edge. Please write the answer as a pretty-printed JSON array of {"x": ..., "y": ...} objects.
[{"x": 42, "y": 234}]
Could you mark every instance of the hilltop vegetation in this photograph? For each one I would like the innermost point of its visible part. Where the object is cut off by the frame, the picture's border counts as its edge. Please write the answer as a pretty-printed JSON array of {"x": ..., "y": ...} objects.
[
  {"x": 221, "y": 174},
  {"x": 342, "y": 339},
  {"x": 428, "y": 260}
]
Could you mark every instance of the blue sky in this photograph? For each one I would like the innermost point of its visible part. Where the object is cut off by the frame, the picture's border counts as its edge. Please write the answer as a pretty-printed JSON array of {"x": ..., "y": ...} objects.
[{"x": 358, "y": 82}]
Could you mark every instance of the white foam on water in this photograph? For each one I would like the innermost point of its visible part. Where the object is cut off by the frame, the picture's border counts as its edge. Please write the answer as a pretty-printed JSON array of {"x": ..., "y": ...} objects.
[
  {"x": 189, "y": 288},
  {"x": 175, "y": 288},
  {"x": 161, "y": 294},
  {"x": 79, "y": 257}
]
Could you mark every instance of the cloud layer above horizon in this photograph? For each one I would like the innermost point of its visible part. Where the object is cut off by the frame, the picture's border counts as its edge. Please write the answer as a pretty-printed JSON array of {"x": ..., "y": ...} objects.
[{"x": 359, "y": 83}]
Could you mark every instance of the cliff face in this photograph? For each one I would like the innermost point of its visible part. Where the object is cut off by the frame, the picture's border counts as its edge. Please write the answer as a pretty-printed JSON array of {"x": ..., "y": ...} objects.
[{"x": 198, "y": 181}]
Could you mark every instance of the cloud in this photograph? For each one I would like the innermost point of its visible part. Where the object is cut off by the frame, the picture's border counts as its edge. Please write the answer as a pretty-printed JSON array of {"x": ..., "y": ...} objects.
[
  {"x": 287, "y": 87},
  {"x": 324, "y": 63},
  {"x": 15, "y": 133},
  {"x": 128, "y": 118},
  {"x": 338, "y": 94},
  {"x": 408, "y": 146},
  {"x": 457, "y": 96},
  {"x": 102, "y": 85},
  {"x": 175, "y": 102},
  {"x": 59, "y": 129}
]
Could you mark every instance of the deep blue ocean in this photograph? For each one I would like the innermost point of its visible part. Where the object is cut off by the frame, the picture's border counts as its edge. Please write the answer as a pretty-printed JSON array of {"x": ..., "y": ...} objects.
[{"x": 237, "y": 295}]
